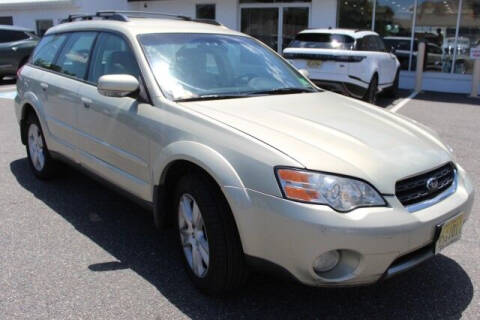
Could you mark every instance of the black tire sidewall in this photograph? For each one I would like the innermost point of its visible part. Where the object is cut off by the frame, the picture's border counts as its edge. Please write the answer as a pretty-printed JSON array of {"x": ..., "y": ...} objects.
[
  {"x": 372, "y": 90},
  {"x": 205, "y": 200}
]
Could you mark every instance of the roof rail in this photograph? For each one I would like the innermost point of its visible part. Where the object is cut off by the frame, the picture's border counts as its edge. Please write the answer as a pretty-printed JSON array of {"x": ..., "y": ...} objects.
[
  {"x": 98, "y": 15},
  {"x": 124, "y": 15},
  {"x": 142, "y": 14}
]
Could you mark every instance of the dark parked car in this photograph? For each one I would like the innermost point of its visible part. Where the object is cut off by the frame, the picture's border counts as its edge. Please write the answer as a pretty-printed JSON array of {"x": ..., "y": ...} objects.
[{"x": 16, "y": 45}]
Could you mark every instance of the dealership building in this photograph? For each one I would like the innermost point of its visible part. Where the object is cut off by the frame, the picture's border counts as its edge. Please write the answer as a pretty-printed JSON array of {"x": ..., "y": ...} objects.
[{"x": 450, "y": 28}]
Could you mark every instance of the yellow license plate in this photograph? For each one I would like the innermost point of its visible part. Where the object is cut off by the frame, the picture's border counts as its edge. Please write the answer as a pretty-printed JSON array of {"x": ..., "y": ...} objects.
[
  {"x": 314, "y": 63},
  {"x": 450, "y": 232}
]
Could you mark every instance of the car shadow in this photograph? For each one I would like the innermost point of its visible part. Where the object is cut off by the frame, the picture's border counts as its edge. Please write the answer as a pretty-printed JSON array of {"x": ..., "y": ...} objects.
[
  {"x": 384, "y": 101},
  {"x": 439, "y": 288}
]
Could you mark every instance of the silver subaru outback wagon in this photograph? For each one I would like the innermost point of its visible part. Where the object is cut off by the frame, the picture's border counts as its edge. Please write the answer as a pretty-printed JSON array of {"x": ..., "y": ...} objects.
[{"x": 252, "y": 164}]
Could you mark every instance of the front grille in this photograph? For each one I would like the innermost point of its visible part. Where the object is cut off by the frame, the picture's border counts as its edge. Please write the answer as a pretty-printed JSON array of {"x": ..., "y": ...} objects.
[{"x": 423, "y": 187}]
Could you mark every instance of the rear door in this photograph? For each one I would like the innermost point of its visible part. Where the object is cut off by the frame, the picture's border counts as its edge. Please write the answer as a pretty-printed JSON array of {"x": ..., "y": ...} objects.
[
  {"x": 113, "y": 140},
  {"x": 62, "y": 83}
]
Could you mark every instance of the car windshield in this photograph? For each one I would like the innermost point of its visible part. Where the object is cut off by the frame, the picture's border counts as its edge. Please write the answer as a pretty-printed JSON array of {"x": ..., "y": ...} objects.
[
  {"x": 323, "y": 41},
  {"x": 213, "y": 66}
]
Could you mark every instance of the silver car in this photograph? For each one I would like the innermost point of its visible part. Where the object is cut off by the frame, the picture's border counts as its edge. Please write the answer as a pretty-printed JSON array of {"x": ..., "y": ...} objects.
[{"x": 252, "y": 164}]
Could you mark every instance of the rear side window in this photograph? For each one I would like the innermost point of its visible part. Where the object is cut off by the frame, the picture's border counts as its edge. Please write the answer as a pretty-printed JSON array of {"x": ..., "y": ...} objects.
[
  {"x": 12, "y": 35},
  {"x": 323, "y": 41},
  {"x": 380, "y": 44},
  {"x": 112, "y": 55},
  {"x": 368, "y": 43},
  {"x": 73, "y": 60},
  {"x": 47, "y": 50}
]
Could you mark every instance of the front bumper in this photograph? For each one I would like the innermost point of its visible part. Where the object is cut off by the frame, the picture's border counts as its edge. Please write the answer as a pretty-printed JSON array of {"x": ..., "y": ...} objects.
[{"x": 372, "y": 241}]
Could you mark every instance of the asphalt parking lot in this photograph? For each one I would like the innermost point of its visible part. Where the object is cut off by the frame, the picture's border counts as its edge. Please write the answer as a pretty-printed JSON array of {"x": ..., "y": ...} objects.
[{"x": 72, "y": 249}]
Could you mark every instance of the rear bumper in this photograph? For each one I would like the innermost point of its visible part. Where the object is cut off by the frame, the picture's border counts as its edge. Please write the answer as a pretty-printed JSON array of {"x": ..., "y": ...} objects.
[{"x": 346, "y": 88}]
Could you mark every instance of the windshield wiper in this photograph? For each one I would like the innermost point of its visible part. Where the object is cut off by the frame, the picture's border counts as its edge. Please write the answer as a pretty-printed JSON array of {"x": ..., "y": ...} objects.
[
  {"x": 245, "y": 94},
  {"x": 213, "y": 97},
  {"x": 284, "y": 91}
]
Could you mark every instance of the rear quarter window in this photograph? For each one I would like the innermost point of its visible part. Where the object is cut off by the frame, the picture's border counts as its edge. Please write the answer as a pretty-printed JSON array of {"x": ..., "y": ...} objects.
[
  {"x": 46, "y": 51},
  {"x": 323, "y": 41}
]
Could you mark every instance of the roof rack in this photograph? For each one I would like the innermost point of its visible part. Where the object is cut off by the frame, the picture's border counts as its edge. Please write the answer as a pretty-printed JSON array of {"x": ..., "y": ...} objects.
[{"x": 124, "y": 15}]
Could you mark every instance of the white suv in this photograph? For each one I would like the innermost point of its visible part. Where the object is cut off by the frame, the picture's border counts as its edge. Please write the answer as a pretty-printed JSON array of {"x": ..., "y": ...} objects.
[
  {"x": 352, "y": 62},
  {"x": 253, "y": 165}
]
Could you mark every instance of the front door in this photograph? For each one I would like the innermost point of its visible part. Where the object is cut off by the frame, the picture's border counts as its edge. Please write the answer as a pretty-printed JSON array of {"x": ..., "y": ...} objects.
[
  {"x": 112, "y": 142},
  {"x": 274, "y": 24}
]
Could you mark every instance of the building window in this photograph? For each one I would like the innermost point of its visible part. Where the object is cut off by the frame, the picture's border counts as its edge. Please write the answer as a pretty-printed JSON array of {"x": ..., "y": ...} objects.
[
  {"x": 393, "y": 21},
  {"x": 43, "y": 26},
  {"x": 355, "y": 14},
  {"x": 436, "y": 22},
  {"x": 6, "y": 20},
  {"x": 206, "y": 11},
  {"x": 468, "y": 35}
]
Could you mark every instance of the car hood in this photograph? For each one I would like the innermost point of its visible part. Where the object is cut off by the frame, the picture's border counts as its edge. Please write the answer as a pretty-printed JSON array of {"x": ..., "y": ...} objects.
[{"x": 332, "y": 133}]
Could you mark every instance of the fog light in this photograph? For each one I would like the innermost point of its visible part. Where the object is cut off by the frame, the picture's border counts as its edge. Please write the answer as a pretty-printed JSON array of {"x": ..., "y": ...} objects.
[{"x": 326, "y": 261}]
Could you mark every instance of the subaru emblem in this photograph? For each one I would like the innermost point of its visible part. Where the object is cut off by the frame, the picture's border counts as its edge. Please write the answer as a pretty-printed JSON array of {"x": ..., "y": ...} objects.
[{"x": 432, "y": 184}]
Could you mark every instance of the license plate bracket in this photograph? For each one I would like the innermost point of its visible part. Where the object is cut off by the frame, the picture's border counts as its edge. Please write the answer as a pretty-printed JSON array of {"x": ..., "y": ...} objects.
[
  {"x": 449, "y": 232},
  {"x": 314, "y": 63}
]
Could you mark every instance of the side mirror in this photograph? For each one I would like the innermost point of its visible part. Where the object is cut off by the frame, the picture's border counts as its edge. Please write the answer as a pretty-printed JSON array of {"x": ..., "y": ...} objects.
[
  {"x": 304, "y": 73},
  {"x": 117, "y": 85},
  {"x": 393, "y": 49}
]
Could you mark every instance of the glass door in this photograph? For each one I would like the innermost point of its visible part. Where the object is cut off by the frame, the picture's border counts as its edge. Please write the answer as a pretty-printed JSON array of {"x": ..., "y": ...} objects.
[
  {"x": 274, "y": 24},
  {"x": 294, "y": 21},
  {"x": 262, "y": 24}
]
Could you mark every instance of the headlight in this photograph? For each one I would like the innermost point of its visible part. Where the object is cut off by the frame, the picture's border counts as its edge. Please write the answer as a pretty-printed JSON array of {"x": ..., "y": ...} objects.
[{"x": 340, "y": 193}]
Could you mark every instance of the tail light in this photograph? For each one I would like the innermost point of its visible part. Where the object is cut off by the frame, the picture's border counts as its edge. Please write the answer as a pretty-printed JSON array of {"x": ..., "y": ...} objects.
[
  {"x": 350, "y": 58},
  {"x": 323, "y": 57}
]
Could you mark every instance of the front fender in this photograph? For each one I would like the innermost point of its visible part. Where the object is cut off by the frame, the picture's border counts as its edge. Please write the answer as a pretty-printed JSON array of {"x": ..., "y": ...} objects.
[
  {"x": 202, "y": 155},
  {"x": 210, "y": 160}
]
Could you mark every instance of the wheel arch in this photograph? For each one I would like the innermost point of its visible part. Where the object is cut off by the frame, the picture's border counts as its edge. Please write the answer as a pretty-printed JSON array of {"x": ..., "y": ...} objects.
[
  {"x": 27, "y": 109},
  {"x": 185, "y": 156},
  {"x": 30, "y": 104}
]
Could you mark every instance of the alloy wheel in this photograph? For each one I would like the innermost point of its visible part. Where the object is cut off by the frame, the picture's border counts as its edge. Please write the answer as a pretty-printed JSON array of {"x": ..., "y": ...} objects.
[
  {"x": 193, "y": 235},
  {"x": 35, "y": 147}
]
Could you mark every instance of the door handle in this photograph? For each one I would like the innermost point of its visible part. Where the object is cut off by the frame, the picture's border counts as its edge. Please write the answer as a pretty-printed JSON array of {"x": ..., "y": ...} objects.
[
  {"x": 44, "y": 86},
  {"x": 86, "y": 102}
]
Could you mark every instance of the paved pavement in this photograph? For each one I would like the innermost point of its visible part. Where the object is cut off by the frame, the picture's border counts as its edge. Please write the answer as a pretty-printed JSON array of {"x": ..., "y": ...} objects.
[{"x": 71, "y": 248}]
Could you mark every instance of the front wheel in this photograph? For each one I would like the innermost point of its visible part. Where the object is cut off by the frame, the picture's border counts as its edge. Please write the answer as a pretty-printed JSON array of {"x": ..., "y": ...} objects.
[
  {"x": 39, "y": 158},
  {"x": 207, "y": 236},
  {"x": 372, "y": 91}
]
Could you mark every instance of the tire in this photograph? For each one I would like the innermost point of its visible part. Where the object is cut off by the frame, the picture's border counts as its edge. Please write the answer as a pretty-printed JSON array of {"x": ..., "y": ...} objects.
[
  {"x": 372, "y": 91},
  {"x": 39, "y": 157},
  {"x": 392, "y": 91},
  {"x": 224, "y": 270}
]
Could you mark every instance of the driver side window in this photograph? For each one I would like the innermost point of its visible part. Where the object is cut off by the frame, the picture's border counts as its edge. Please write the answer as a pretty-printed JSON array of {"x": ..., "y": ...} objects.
[{"x": 112, "y": 55}]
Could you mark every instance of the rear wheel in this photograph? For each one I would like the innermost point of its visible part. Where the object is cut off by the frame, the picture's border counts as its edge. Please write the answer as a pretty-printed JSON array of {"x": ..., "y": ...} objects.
[
  {"x": 392, "y": 91},
  {"x": 372, "y": 91},
  {"x": 39, "y": 158},
  {"x": 207, "y": 236}
]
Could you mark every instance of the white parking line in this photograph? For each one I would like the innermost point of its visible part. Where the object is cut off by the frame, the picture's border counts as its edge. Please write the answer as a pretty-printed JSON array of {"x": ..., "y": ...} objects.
[
  {"x": 8, "y": 95},
  {"x": 402, "y": 103}
]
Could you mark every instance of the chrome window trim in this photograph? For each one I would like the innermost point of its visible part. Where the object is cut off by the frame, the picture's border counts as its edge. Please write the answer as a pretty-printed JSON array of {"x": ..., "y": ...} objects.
[{"x": 430, "y": 202}]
